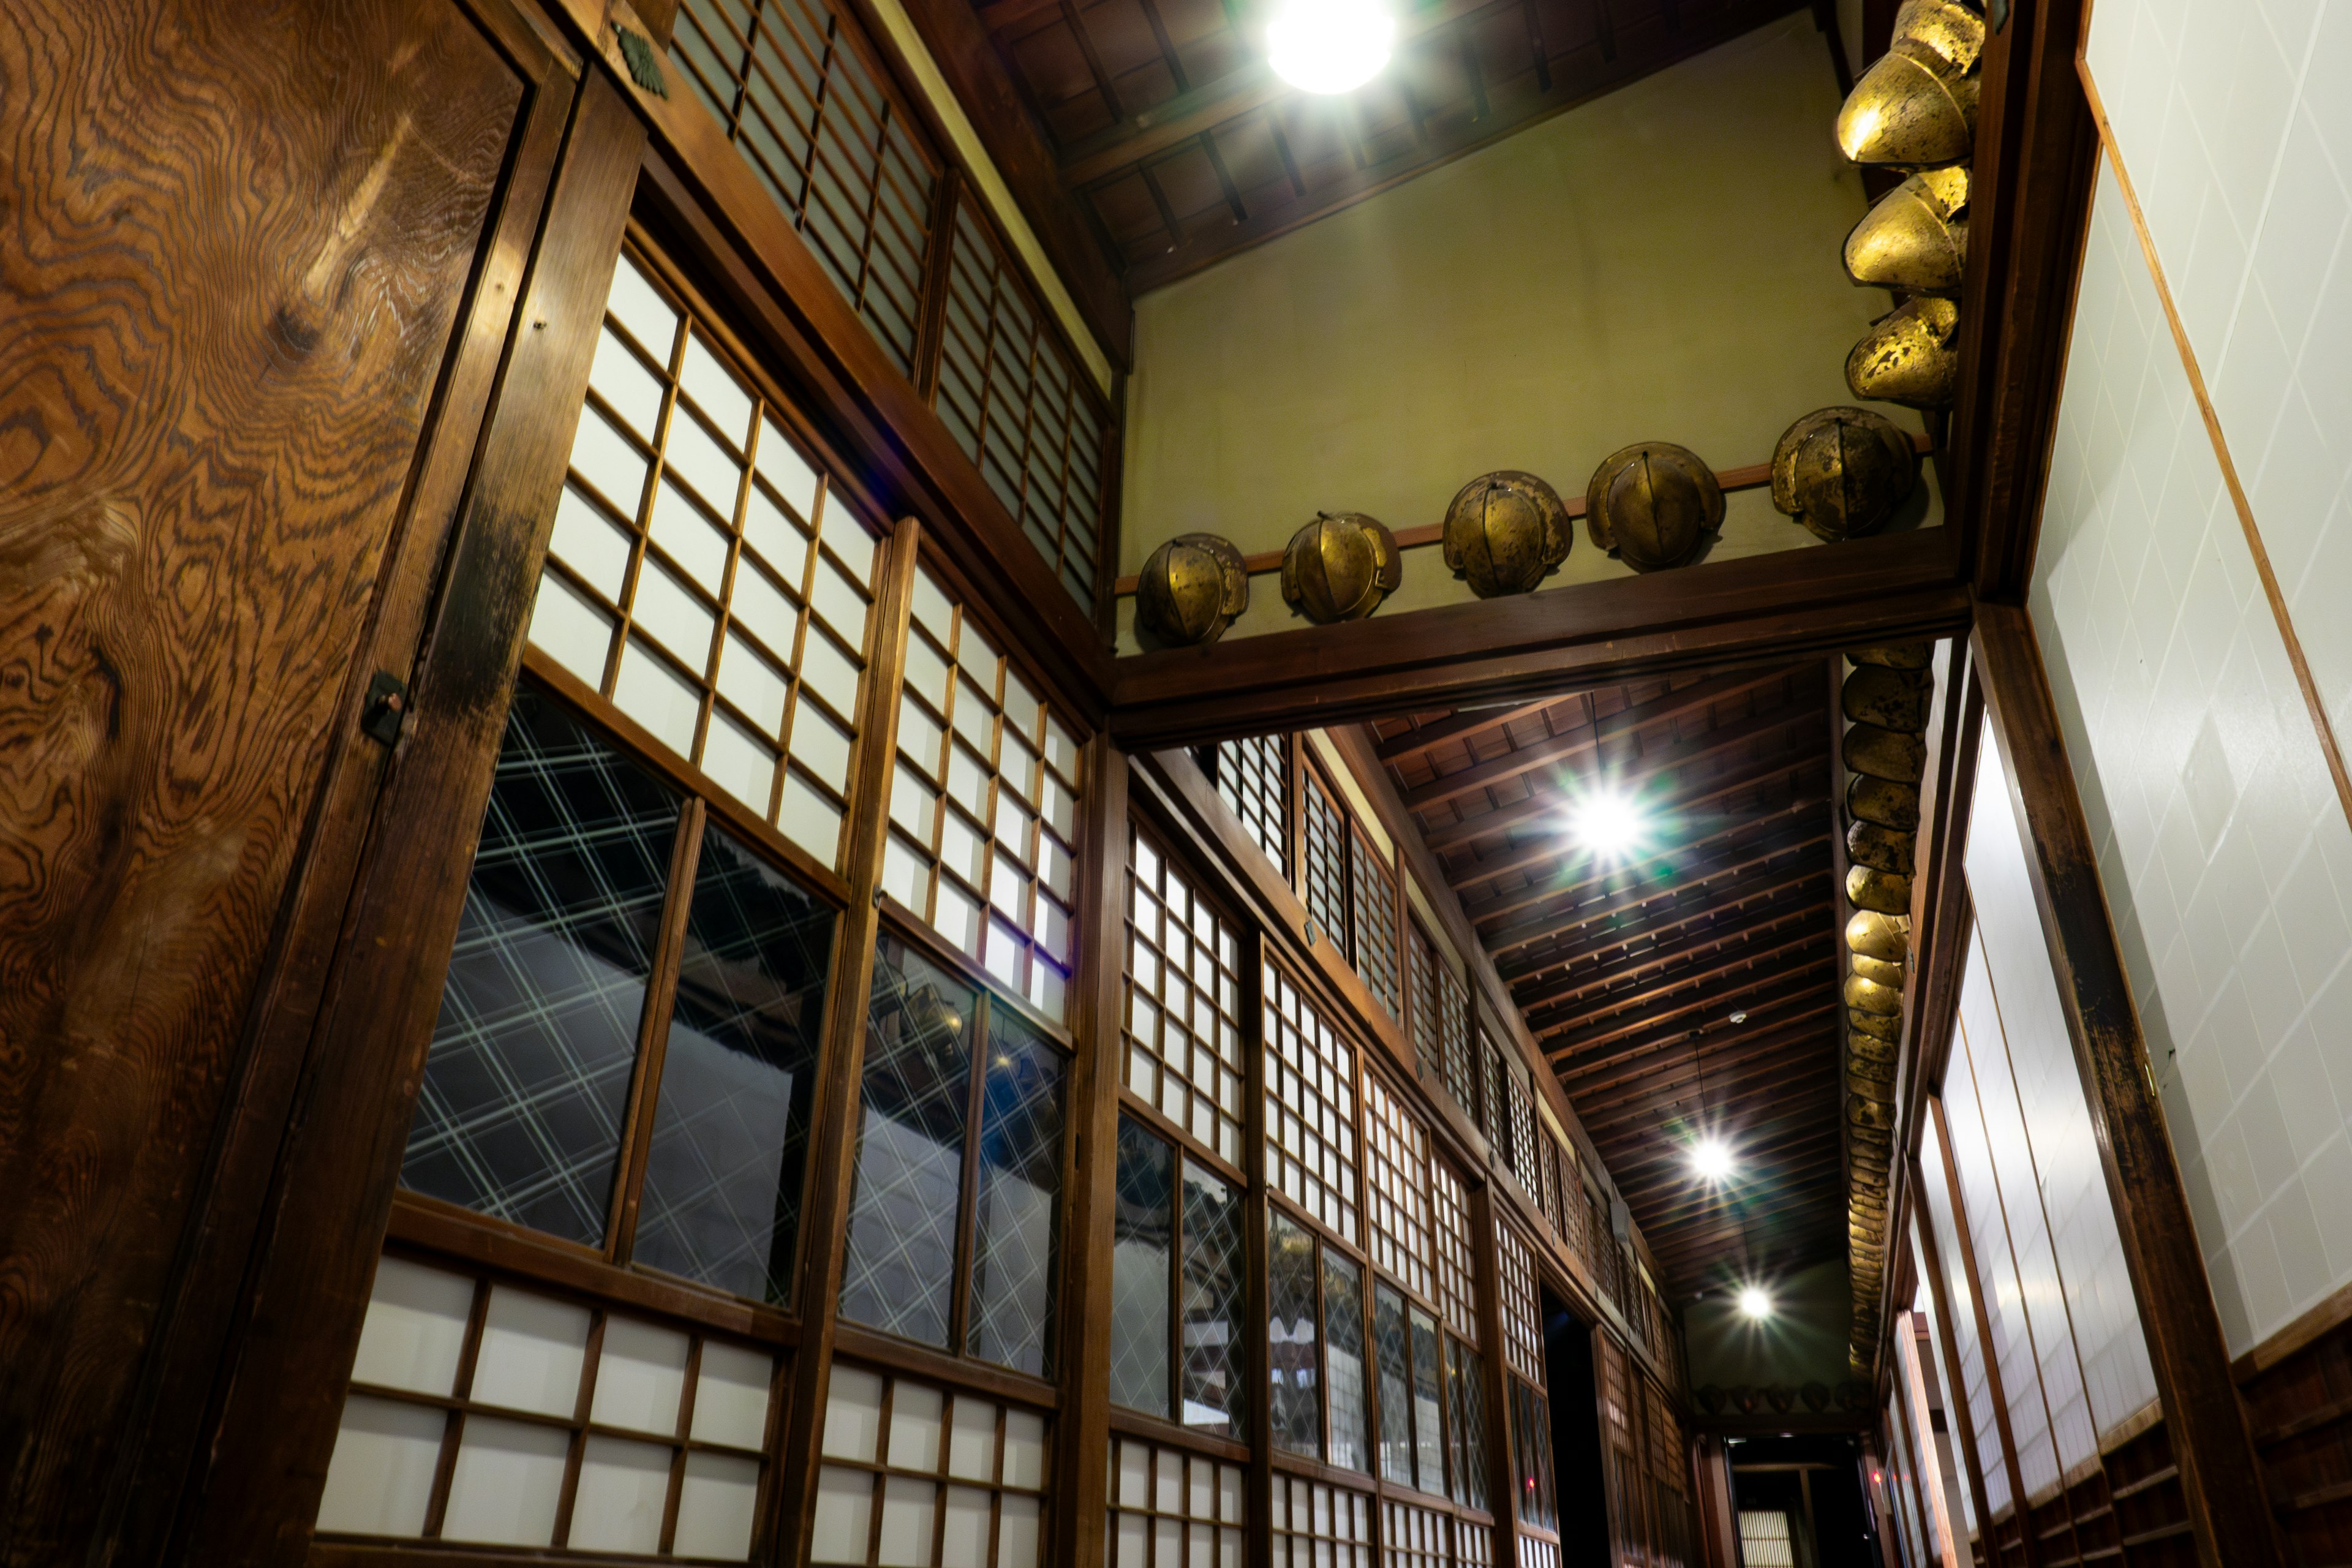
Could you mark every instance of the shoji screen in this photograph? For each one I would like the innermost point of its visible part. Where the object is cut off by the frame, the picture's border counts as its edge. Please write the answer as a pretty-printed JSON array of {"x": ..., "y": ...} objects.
[
  {"x": 2018, "y": 983},
  {"x": 1975, "y": 1386}
]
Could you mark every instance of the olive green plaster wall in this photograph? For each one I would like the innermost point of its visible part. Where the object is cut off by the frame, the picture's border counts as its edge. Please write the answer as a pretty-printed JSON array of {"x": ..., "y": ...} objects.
[
  {"x": 1661, "y": 264},
  {"x": 1804, "y": 1340}
]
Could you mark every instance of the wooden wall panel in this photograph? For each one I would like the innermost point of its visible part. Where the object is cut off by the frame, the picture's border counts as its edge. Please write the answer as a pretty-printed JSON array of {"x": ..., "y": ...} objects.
[{"x": 239, "y": 243}]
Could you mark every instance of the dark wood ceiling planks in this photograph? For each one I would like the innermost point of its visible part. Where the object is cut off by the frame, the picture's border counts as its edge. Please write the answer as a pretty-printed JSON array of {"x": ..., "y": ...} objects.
[
  {"x": 1628, "y": 973},
  {"x": 1182, "y": 147}
]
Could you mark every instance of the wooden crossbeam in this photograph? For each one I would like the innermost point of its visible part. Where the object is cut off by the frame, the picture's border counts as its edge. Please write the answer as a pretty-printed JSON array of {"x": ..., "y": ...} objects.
[
  {"x": 1711, "y": 951},
  {"x": 1675, "y": 984},
  {"x": 1714, "y": 829},
  {"x": 1663, "y": 1028},
  {"x": 1461, "y": 724},
  {"x": 1761, "y": 873}
]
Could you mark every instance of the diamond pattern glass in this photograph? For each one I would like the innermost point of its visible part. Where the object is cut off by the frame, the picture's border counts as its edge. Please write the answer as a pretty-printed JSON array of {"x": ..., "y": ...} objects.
[
  {"x": 1457, "y": 1267},
  {"x": 1183, "y": 1000},
  {"x": 1142, "y": 1231},
  {"x": 702, "y": 574},
  {"x": 1396, "y": 1164},
  {"x": 1465, "y": 1389},
  {"x": 528, "y": 1076},
  {"x": 722, "y": 1190},
  {"x": 1294, "y": 1362},
  {"x": 1310, "y": 1107},
  {"x": 1343, "y": 1362},
  {"x": 1215, "y": 1270},
  {"x": 1014, "y": 1240},
  {"x": 983, "y": 805},
  {"x": 1251, "y": 777},
  {"x": 1394, "y": 1350},
  {"x": 899, "y": 1274},
  {"x": 1428, "y": 1420},
  {"x": 1531, "y": 1454}
]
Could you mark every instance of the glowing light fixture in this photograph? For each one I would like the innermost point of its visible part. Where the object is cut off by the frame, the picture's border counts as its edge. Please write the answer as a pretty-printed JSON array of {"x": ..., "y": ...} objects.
[
  {"x": 1755, "y": 1303},
  {"x": 1329, "y": 46},
  {"x": 1712, "y": 1157},
  {"x": 1606, "y": 822}
]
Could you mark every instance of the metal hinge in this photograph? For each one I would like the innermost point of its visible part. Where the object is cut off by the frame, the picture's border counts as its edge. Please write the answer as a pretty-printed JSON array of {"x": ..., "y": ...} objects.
[{"x": 385, "y": 713}]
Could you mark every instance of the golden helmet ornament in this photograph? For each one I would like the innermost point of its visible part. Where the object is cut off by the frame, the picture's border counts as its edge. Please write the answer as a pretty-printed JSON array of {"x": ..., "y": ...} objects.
[
  {"x": 1505, "y": 533},
  {"x": 1916, "y": 236},
  {"x": 1890, "y": 699},
  {"x": 1843, "y": 471},
  {"x": 1191, "y": 589},
  {"x": 1916, "y": 107},
  {"x": 1653, "y": 503},
  {"x": 1895, "y": 655},
  {"x": 1340, "y": 567},
  {"x": 1886, "y": 937},
  {"x": 1910, "y": 355}
]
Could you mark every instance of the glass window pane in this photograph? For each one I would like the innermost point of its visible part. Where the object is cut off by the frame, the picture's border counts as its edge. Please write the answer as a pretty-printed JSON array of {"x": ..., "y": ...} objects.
[
  {"x": 731, "y": 1123},
  {"x": 901, "y": 1266},
  {"x": 1014, "y": 1273},
  {"x": 1390, "y": 1344},
  {"x": 1142, "y": 1232},
  {"x": 1465, "y": 1376},
  {"x": 1428, "y": 1427},
  {"x": 1214, "y": 1271},
  {"x": 1343, "y": 1359},
  {"x": 531, "y": 1061},
  {"x": 1293, "y": 1367}
]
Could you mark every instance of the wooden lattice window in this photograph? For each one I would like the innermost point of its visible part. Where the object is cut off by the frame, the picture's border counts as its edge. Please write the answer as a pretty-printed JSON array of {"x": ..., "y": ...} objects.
[
  {"x": 1531, "y": 1456},
  {"x": 928, "y": 1477},
  {"x": 798, "y": 91},
  {"x": 1316, "y": 1525},
  {"x": 1372, "y": 932},
  {"x": 1323, "y": 875},
  {"x": 1415, "y": 1537},
  {"x": 704, "y": 577},
  {"x": 1310, "y": 1107},
  {"x": 1523, "y": 1128},
  {"x": 983, "y": 808},
  {"x": 1183, "y": 995},
  {"x": 486, "y": 1413},
  {"x": 1396, "y": 1154},
  {"x": 1021, "y": 406},
  {"x": 1170, "y": 1509},
  {"x": 1252, "y": 778},
  {"x": 1457, "y": 1262},
  {"x": 1522, "y": 1315}
]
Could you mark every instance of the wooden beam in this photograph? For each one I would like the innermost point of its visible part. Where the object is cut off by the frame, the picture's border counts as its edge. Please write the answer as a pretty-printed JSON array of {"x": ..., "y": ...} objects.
[
  {"x": 1714, "y": 828},
  {"x": 2228, "y": 1508},
  {"x": 1719, "y": 891},
  {"x": 1598, "y": 1097},
  {"x": 1786, "y": 987},
  {"x": 1703, "y": 747},
  {"x": 1738, "y": 934},
  {"x": 1641, "y": 1001},
  {"x": 1761, "y": 610},
  {"x": 1559, "y": 748},
  {"x": 1461, "y": 724}
]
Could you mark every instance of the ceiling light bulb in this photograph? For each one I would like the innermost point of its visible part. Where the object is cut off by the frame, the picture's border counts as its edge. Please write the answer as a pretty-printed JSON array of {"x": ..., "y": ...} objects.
[
  {"x": 1606, "y": 823},
  {"x": 1713, "y": 1157},
  {"x": 1755, "y": 1303},
  {"x": 1329, "y": 46}
]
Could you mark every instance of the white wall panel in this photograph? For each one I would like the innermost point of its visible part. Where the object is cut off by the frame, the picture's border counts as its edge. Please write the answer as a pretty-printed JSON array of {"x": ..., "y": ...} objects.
[
  {"x": 2223, "y": 851},
  {"x": 1976, "y": 1385},
  {"x": 2089, "y": 1259}
]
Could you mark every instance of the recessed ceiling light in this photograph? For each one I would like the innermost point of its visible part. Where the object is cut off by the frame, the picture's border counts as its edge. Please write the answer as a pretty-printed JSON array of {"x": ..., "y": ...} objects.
[
  {"x": 1755, "y": 1303},
  {"x": 1739, "y": 1017},
  {"x": 1712, "y": 1157},
  {"x": 1606, "y": 822},
  {"x": 1329, "y": 46}
]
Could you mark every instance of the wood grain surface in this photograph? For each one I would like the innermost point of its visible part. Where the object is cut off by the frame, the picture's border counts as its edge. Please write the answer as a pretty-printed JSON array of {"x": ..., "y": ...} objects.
[{"x": 236, "y": 245}]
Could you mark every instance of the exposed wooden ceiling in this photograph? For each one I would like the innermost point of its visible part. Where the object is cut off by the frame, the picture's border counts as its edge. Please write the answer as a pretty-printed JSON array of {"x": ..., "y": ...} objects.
[
  {"x": 1182, "y": 147},
  {"x": 1628, "y": 973}
]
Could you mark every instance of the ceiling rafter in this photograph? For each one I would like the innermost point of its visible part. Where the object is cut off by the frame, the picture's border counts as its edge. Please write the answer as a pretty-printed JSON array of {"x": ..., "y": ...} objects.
[{"x": 1714, "y": 831}]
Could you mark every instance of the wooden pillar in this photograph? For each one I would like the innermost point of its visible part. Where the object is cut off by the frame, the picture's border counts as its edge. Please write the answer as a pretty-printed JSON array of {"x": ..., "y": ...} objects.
[{"x": 2229, "y": 1507}]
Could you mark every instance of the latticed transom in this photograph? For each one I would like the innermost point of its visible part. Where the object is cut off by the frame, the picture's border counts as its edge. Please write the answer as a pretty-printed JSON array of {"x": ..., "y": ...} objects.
[
  {"x": 485, "y": 1413},
  {"x": 1310, "y": 1107},
  {"x": 918, "y": 1475},
  {"x": 1372, "y": 937},
  {"x": 1170, "y": 1509},
  {"x": 791, "y": 82},
  {"x": 1184, "y": 998},
  {"x": 1415, "y": 1537},
  {"x": 702, "y": 577},
  {"x": 1020, "y": 406},
  {"x": 983, "y": 808},
  {"x": 1457, "y": 1265},
  {"x": 1396, "y": 1154},
  {"x": 1316, "y": 1525},
  {"x": 1252, "y": 777},
  {"x": 1523, "y": 1130},
  {"x": 1522, "y": 1318},
  {"x": 1323, "y": 879}
]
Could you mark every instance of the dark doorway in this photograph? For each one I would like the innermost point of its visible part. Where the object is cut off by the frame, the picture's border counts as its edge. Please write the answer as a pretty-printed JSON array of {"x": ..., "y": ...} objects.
[
  {"x": 1815, "y": 1485},
  {"x": 1575, "y": 1438}
]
